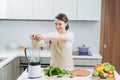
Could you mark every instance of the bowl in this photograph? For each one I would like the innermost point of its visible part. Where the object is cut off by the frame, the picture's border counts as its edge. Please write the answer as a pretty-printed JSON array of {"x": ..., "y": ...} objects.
[{"x": 12, "y": 46}]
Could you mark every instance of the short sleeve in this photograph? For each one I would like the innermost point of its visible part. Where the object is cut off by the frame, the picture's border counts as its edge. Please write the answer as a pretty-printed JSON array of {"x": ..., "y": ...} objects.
[
  {"x": 70, "y": 41},
  {"x": 70, "y": 36}
]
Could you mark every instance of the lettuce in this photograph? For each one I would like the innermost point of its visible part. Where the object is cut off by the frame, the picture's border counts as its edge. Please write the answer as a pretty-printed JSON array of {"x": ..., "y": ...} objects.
[
  {"x": 108, "y": 66},
  {"x": 54, "y": 70}
]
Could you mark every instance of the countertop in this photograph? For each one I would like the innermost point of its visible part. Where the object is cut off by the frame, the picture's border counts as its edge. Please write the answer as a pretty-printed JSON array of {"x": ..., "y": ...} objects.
[
  {"x": 24, "y": 76},
  {"x": 12, "y": 54}
]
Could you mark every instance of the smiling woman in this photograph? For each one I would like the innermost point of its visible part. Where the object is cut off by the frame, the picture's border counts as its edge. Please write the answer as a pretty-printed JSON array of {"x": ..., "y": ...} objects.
[{"x": 61, "y": 42}]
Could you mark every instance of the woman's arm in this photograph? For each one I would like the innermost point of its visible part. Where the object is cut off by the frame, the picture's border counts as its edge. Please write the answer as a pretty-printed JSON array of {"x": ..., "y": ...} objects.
[
  {"x": 54, "y": 36},
  {"x": 51, "y": 36}
]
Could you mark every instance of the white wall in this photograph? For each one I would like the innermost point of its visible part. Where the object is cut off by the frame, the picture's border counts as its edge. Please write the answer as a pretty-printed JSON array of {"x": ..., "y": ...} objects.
[{"x": 87, "y": 32}]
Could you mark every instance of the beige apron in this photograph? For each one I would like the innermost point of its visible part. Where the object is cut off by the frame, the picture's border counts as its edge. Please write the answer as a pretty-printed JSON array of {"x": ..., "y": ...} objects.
[{"x": 60, "y": 55}]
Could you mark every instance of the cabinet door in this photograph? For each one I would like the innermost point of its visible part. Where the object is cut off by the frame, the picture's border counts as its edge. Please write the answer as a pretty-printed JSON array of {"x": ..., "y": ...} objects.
[
  {"x": 7, "y": 72},
  {"x": 22, "y": 9},
  {"x": 6, "y": 9},
  {"x": 3, "y": 9},
  {"x": 69, "y": 7},
  {"x": 1, "y": 74},
  {"x": 89, "y": 10},
  {"x": 43, "y": 9},
  {"x": 10, "y": 71},
  {"x": 16, "y": 68}
]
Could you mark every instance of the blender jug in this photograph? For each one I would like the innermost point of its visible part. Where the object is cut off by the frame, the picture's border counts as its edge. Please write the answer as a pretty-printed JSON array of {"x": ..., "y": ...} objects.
[{"x": 33, "y": 57}]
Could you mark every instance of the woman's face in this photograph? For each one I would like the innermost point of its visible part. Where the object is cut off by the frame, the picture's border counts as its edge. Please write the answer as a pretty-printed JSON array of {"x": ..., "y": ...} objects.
[{"x": 60, "y": 26}]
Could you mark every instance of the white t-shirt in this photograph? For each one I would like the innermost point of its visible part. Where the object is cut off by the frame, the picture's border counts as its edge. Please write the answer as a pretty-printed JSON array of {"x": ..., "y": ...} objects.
[{"x": 70, "y": 36}]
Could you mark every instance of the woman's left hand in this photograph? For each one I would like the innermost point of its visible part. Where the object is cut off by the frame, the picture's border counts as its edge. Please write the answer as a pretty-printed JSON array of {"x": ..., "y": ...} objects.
[{"x": 36, "y": 37}]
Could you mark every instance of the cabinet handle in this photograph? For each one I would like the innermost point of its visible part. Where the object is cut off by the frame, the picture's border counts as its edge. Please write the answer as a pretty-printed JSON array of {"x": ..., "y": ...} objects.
[{"x": 105, "y": 46}]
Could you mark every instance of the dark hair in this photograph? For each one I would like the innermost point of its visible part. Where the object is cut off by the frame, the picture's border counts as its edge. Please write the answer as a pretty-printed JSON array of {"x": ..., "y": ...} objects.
[{"x": 64, "y": 18}]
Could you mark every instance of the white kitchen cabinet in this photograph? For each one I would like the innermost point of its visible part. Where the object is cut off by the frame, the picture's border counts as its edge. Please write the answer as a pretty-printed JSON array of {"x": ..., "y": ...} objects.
[
  {"x": 10, "y": 71},
  {"x": 3, "y": 9},
  {"x": 89, "y": 9},
  {"x": 86, "y": 63},
  {"x": 1, "y": 74},
  {"x": 16, "y": 68},
  {"x": 7, "y": 72},
  {"x": 69, "y": 7},
  {"x": 22, "y": 9},
  {"x": 43, "y": 9},
  {"x": 48, "y": 9},
  {"x": 6, "y": 9},
  {"x": 78, "y": 62}
]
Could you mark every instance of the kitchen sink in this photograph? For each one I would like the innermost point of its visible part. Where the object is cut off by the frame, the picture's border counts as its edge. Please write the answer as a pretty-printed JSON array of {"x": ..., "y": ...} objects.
[{"x": 2, "y": 59}]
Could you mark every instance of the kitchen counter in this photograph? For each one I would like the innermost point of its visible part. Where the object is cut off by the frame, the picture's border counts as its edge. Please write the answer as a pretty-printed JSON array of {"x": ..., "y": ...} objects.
[
  {"x": 24, "y": 76},
  {"x": 12, "y": 54}
]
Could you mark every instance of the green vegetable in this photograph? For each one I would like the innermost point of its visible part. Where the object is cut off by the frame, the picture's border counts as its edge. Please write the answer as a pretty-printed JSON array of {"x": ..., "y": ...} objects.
[
  {"x": 105, "y": 75},
  {"x": 108, "y": 66},
  {"x": 54, "y": 70},
  {"x": 95, "y": 73}
]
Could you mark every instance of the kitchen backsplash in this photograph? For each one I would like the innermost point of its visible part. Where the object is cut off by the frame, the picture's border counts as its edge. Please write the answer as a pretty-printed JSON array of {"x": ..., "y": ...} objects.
[{"x": 85, "y": 32}]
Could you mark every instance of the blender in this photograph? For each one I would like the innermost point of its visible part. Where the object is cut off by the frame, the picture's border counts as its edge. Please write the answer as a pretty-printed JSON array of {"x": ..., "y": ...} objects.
[{"x": 33, "y": 57}]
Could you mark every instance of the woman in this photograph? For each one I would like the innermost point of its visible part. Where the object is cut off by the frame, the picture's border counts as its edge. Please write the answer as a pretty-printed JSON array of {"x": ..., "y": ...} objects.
[{"x": 61, "y": 43}]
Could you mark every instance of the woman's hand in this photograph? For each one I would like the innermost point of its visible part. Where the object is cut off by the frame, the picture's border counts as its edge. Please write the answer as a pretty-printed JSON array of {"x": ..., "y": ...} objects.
[
  {"x": 35, "y": 37},
  {"x": 35, "y": 40}
]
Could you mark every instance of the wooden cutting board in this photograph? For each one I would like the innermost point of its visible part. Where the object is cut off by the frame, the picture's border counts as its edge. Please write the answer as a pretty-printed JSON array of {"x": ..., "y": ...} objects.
[
  {"x": 80, "y": 72},
  {"x": 98, "y": 78}
]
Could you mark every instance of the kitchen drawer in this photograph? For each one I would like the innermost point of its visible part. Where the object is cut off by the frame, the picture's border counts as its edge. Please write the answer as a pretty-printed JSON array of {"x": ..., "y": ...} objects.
[
  {"x": 45, "y": 60},
  {"x": 77, "y": 62},
  {"x": 86, "y": 62},
  {"x": 23, "y": 60},
  {"x": 83, "y": 67}
]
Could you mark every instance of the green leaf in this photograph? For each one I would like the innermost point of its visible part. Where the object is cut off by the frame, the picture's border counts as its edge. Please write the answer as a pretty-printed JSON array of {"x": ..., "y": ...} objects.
[{"x": 54, "y": 70}]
